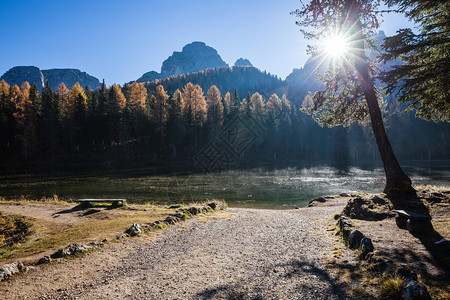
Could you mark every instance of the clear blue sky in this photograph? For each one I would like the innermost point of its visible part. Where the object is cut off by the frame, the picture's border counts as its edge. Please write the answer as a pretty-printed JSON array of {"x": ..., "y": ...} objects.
[{"x": 120, "y": 40}]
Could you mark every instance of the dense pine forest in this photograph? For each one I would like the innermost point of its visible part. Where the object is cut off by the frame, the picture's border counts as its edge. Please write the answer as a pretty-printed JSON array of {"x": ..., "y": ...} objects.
[{"x": 142, "y": 124}]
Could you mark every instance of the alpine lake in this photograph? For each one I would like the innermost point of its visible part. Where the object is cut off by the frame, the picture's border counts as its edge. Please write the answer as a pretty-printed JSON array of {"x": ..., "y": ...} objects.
[{"x": 260, "y": 187}]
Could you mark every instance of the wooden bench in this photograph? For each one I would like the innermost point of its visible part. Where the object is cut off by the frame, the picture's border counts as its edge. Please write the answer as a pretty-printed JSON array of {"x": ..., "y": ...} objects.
[
  {"x": 412, "y": 221},
  {"x": 115, "y": 202}
]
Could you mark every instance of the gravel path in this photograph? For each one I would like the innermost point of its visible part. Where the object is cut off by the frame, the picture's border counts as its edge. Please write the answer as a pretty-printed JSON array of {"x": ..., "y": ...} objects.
[{"x": 256, "y": 254}]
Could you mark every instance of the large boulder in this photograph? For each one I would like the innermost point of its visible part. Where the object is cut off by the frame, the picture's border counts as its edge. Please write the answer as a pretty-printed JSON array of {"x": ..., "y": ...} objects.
[{"x": 369, "y": 208}]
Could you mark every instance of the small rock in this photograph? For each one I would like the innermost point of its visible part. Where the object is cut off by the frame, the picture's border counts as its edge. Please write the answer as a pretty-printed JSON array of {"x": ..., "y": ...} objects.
[
  {"x": 122, "y": 236},
  {"x": 70, "y": 250},
  {"x": 355, "y": 238},
  {"x": 346, "y": 232},
  {"x": 28, "y": 268},
  {"x": 378, "y": 200},
  {"x": 96, "y": 244},
  {"x": 172, "y": 220},
  {"x": 193, "y": 210},
  {"x": 414, "y": 291},
  {"x": 366, "y": 246},
  {"x": 8, "y": 270},
  {"x": 213, "y": 205},
  {"x": 406, "y": 274},
  {"x": 44, "y": 260},
  {"x": 134, "y": 230}
]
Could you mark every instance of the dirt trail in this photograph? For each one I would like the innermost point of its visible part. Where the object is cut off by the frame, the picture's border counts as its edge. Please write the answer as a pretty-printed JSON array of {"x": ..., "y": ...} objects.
[
  {"x": 255, "y": 254},
  {"x": 55, "y": 213}
]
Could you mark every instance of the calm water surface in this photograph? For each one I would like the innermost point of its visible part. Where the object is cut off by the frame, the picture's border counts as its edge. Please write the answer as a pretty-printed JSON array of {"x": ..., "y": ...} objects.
[{"x": 285, "y": 187}]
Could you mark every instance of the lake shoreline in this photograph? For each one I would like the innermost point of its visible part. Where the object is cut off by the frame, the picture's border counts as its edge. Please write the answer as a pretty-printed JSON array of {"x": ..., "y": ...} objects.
[{"x": 227, "y": 253}]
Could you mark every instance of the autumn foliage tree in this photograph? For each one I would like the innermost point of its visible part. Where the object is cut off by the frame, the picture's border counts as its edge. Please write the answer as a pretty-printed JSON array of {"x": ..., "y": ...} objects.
[
  {"x": 159, "y": 112},
  {"x": 214, "y": 110},
  {"x": 25, "y": 117}
]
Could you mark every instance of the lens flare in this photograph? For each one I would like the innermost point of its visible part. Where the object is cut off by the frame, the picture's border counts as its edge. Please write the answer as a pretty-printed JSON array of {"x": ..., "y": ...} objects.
[{"x": 336, "y": 46}]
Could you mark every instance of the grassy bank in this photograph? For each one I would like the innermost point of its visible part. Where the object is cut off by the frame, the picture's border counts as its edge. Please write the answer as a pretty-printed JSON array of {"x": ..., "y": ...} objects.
[{"x": 32, "y": 232}]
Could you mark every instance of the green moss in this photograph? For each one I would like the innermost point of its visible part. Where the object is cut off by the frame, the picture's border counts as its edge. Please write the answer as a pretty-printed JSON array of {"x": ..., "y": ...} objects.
[{"x": 174, "y": 206}]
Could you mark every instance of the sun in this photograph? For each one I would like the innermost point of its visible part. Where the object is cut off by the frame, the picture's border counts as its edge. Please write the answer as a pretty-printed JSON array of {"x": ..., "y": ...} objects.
[{"x": 336, "y": 46}]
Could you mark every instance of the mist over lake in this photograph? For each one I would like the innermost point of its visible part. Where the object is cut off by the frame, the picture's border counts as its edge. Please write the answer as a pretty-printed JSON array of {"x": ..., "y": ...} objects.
[{"x": 260, "y": 187}]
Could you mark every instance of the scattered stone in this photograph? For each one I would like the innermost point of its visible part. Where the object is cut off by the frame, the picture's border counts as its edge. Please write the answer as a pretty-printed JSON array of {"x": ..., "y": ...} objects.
[
  {"x": 122, "y": 236},
  {"x": 96, "y": 244},
  {"x": 8, "y": 270},
  {"x": 28, "y": 268},
  {"x": 345, "y": 226},
  {"x": 178, "y": 215},
  {"x": 414, "y": 291},
  {"x": 406, "y": 274},
  {"x": 134, "y": 230},
  {"x": 70, "y": 250},
  {"x": 172, "y": 220},
  {"x": 316, "y": 200},
  {"x": 44, "y": 260},
  {"x": 354, "y": 239},
  {"x": 105, "y": 240},
  {"x": 378, "y": 263},
  {"x": 213, "y": 205},
  {"x": 193, "y": 211},
  {"x": 207, "y": 209},
  {"x": 366, "y": 246}
]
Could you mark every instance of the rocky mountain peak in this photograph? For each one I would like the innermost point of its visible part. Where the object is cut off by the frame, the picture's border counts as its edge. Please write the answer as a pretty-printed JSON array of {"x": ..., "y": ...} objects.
[
  {"x": 32, "y": 74},
  {"x": 243, "y": 62},
  {"x": 194, "y": 57},
  {"x": 20, "y": 74}
]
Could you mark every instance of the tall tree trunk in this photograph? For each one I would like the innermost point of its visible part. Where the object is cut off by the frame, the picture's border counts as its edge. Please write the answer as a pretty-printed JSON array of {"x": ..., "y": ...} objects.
[{"x": 397, "y": 182}]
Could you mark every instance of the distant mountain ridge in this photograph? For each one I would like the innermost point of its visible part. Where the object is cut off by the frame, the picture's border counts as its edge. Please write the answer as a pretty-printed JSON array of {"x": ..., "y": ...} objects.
[
  {"x": 194, "y": 57},
  {"x": 245, "y": 79},
  {"x": 20, "y": 74}
]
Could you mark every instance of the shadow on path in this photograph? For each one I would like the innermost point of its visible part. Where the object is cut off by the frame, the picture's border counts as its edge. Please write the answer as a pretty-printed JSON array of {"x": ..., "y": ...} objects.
[{"x": 296, "y": 279}]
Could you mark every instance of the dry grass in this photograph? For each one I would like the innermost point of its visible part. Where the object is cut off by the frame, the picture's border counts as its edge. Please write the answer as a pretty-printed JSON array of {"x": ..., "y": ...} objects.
[
  {"x": 392, "y": 288},
  {"x": 101, "y": 223},
  {"x": 54, "y": 200}
]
